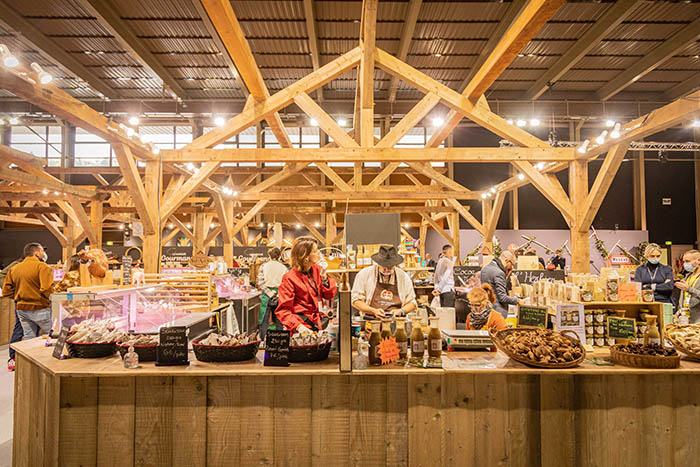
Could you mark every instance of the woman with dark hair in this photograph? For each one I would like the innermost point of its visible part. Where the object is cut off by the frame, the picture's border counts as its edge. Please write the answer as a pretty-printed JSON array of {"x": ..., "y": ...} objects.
[{"x": 303, "y": 288}]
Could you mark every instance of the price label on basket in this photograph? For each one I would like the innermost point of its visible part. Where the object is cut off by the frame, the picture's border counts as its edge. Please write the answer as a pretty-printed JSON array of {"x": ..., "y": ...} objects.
[
  {"x": 276, "y": 348},
  {"x": 60, "y": 344},
  {"x": 532, "y": 316},
  {"x": 622, "y": 328},
  {"x": 172, "y": 349}
]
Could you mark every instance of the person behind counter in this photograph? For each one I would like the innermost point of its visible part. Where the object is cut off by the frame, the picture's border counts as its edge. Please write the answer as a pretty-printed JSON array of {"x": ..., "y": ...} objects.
[
  {"x": 655, "y": 276},
  {"x": 383, "y": 288},
  {"x": 558, "y": 260},
  {"x": 445, "y": 277},
  {"x": 72, "y": 276},
  {"x": 269, "y": 279},
  {"x": 483, "y": 314},
  {"x": 689, "y": 286},
  {"x": 494, "y": 274},
  {"x": 303, "y": 288},
  {"x": 429, "y": 261}
]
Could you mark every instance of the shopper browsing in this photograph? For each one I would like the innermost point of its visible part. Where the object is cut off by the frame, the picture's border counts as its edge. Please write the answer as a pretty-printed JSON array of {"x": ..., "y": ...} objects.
[
  {"x": 269, "y": 280},
  {"x": 482, "y": 314},
  {"x": 494, "y": 274},
  {"x": 690, "y": 287},
  {"x": 445, "y": 278},
  {"x": 655, "y": 276},
  {"x": 383, "y": 288},
  {"x": 29, "y": 283},
  {"x": 303, "y": 288}
]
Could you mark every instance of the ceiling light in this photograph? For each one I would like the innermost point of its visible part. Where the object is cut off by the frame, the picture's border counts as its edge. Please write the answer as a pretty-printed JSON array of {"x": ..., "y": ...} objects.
[
  {"x": 610, "y": 123},
  {"x": 262, "y": 225},
  {"x": 616, "y": 131},
  {"x": 317, "y": 224},
  {"x": 601, "y": 139},
  {"x": 313, "y": 122},
  {"x": 438, "y": 122},
  {"x": 8, "y": 59},
  {"x": 521, "y": 177},
  {"x": 298, "y": 226},
  {"x": 130, "y": 132},
  {"x": 483, "y": 195},
  {"x": 235, "y": 193},
  {"x": 521, "y": 123},
  {"x": 44, "y": 77},
  {"x": 539, "y": 165},
  {"x": 170, "y": 226},
  {"x": 121, "y": 226},
  {"x": 696, "y": 124},
  {"x": 45, "y": 191},
  {"x": 438, "y": 54},
  {"x": 535, "y": 122},
  {"x": 56, "y": 193},
  {"x": 14, "y": 120},
  {"x": 406, "y": 225},
  {"x": 189, "y": 226},
  {"x": 493, "y": 189},
  {"x": 133, "y": 120},
  {"x": 509, "y": 121},
  {"x": 219, "y": 121},
  {"x": 342, "y": 122},
  {"x": 212, "y": 225},
  {"x": 584, "y": 147}
]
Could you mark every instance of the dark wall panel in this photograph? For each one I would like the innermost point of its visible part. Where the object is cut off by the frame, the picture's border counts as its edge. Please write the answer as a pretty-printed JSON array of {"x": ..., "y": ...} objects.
[{"x": 12, "y": 243}]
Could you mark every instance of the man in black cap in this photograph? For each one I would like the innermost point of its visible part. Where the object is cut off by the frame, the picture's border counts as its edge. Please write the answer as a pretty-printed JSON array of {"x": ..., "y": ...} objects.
[{"x": 383, "y": 289}]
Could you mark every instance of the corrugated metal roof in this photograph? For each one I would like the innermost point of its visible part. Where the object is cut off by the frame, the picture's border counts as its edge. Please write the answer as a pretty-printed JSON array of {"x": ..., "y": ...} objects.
[
  {"x": 463, "y": 11},
  {"x": 155, "y": 8},
  {"x": 563, "y": 30},
  {"x": 581, "y": 11},
  {"x": 274, "y": 29},
  {"x": 168, "y": 28},
  {"x": 638, "y": 31},
  {"x": 665, "y": 12},
  {"x": 269, "y": 10},
  {"x": 437, "y": 30}
]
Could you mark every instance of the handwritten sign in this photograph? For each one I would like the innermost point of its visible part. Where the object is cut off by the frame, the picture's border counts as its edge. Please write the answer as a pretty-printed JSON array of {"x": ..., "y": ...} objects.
[
  {"x": 630, "y": 292},
  {"x": 172, "y": 349},
  {"x": 532, "y": 276},
  {"x": 126, "y": 269},
  {"x": 276, "y": 348},
  {"x": 571, "y": 316},
  {"x": 622, "y": 328},
  {"x": 60, "y": 344},
  {"x": 463, "y": 274},
  {"x": 532, "y": 316},
  {"x": 388, "y": 350}
]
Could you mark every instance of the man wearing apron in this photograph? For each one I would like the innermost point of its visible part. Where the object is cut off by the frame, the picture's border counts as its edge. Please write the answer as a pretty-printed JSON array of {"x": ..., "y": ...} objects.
[{"x": 383, "y": 289}]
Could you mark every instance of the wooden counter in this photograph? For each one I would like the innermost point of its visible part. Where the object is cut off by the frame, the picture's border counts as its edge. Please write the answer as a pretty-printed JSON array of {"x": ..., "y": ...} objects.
[{"x": 94, "y": 412}]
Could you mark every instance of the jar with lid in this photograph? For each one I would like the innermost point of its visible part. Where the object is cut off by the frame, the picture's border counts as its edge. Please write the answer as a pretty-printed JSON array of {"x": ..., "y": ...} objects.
[
  {"x": 401, "y": 337},
  {"x": 417, "y": 339},
  {"x": 434, "y": 338},
  {"x": 374, "y": 340},
  {"x": 652, "y": 335}
]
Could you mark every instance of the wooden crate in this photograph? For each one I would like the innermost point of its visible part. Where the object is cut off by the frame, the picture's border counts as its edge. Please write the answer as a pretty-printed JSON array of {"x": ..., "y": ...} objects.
[
  {"x": 194, "y": 291},
  {"x": 7, "y": 319},
  {"x": 632, "y": 310}
]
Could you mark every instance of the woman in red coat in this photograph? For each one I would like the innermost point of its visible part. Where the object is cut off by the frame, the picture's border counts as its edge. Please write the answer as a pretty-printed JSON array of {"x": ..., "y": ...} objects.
[{"x": 303, "y": 287}]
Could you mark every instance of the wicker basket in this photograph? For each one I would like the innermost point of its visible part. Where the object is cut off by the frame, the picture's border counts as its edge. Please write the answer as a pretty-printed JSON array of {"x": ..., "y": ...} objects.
[
  {"x": 677, "y": 344},
  {"x": 643, "y": 361},
  {"x": 91, "y": 350},
  {"x": 498, "y": 339},
  {"x": 309, "y": 353},
  {"x": 224, "y": 353},
  {"x": 146, "y": 353}
]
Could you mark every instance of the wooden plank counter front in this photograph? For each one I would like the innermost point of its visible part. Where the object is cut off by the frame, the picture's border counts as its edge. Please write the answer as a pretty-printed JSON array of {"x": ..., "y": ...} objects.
[{"x": 94, "y": 412}]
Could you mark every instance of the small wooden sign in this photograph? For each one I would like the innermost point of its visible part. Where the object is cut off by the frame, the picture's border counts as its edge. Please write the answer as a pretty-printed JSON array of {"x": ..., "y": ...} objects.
[
  {"x": 276, "y": 348},
  {"x": 172, "y": 349},
  {"x": 622, "y": 328},
  {"x": 126, "y": 269},
  {"x": 60, "y": 344},
  {"x": 199, "y": 261},
  {"x": 532, "y": 316}
]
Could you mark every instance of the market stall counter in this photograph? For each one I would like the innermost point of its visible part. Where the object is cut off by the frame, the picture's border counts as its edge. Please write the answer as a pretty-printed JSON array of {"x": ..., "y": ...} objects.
[{"x": 481, "y": 408}]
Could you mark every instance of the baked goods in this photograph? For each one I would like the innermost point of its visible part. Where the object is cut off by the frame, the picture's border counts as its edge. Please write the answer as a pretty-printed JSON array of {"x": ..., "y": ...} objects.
[
  {"x": 653, "y": 350},
  {"x": 93, "y": 332},
  {"x": 313, "y": 338},
  {"x": 139, "y": 339},
  {"x": 685, "y": 338},
  {"x": 542, "y": 346},
  {"x": 229, "y": 340}
]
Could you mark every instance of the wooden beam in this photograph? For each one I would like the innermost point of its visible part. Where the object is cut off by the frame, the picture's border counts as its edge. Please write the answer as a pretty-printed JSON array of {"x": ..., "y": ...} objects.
[
  {"x": 382, "y": 176},
  {"x": 312, "y": 230},
  {"x": 384, "y": 194},
  {"x": 684, "y": 87},
  {"x": 248, "y": 216},
  {"x": 29, "y": 210},
  {"x": 224, "y": 219},
  {"x": 333, "y": 176},
  {"x": 96, "y": 219},
  {"x": 439, "y": 178},
  {"x": 169, "y": 237},
  {"x": 170, "y": 205},
  {"x": 409, "y": 27},
  {"x": 580, "y": 243},
  {"x": 68, "y": 210},
  {"x": 16, "y": 25},
  {"x": 100, "y": 179},
  {"x": 653, "y": 59},
  {"x": 552, "y": 191},
  {"x": 494, "y": 215},
  {"x": 109, "y": 18},
  {"x": 212, "y": 236},
  {"x": 84, "y": 221},
  {"x": 17, "y": 176},
  {"x": 183, "y": 228},
  {"x": 25, "y": 161},
  {"x": 259, "y": 110},
  {"x": 410, "y": 120},
  {"x": 602, "y": 184},
  {"x": 325, "y": 121},
  {"x": 313, "y": 40},
  {"x": 53, "y": 228},
  {"x": 366, "y": 76},
  {"x": 610, "y": 20},
  {"x": 437, "y": 227},
  {"x": 132, "y": 178},
  {"x": 20, "y": 220},
  {"x": 286, "y": 172}
]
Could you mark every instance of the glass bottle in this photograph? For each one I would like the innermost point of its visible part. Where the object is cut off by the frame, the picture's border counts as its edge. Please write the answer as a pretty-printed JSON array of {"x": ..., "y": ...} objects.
[
  {"x": 374, "y": 340},
  {"x": 417, "y": 339},
  {"x": 401, "y": 337},
  {"x": 434, "y": 338},
  {"x": 360, "y": 361},
  {"x": 386, "y": 328},
  {"x": 131, "y": 358},
  {"x": 651, "y": 336}
]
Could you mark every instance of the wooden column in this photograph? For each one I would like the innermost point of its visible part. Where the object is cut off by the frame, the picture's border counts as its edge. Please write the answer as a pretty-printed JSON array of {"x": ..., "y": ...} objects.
[
  {"x": 200, "y": 233},
  {"x": 640, "y": 196},
  {"x": 151, "y": 241},
  {"x": 96, "y": 216},
  {"x": 423, "y": 237},
  {"x": 69, "y": 232},
  {"x": 578, "y": 191},
  {"x": 228, "y": 246},
  {"x": 454, "y": 231},
  {"x": 514, "y": 213},
  {"x": 696, "y": 134},
  {"x": 331, "y": 228},
  {"x": 485, "y": 221}
]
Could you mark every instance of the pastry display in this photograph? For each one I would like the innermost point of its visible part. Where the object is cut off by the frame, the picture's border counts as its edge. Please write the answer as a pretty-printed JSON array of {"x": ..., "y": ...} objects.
[
  {"x": 93, "y": 332},
  {"x": 539, "y": 347},
  {"x": 139, "y": 339},
  {"x": 685, "y": 338},
  {"x": 228, "y": 340},
  {"x": 312, "y": 338}
]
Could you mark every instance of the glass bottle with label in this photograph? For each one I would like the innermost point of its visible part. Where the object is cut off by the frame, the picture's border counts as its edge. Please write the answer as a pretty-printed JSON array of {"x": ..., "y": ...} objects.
[
  {"x": 131, "y": 358},
  {"x": 374, "y": 340},
  {"x": 417, "y": 339},
  {"x": 651, "y": 336},
  {"x": 434, "y": 338},
  {"x": 401, "y": 337}
]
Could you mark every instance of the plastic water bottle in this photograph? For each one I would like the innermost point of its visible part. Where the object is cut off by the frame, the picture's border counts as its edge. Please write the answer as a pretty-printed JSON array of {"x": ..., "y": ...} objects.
[{"x": 361, "y": 360}]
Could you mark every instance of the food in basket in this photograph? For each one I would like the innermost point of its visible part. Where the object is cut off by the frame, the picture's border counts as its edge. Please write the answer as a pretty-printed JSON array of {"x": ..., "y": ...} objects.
[
  {"x": 654, "y": 350},
  {"x": 687, "y": 336},
  {"x": 93, "y": 332},
  {"x": 312, "y": 338},
  {"x": 139, "y": 339},
  {"x": 543, "y": 345},
  {"x": 224, "y": 339}
]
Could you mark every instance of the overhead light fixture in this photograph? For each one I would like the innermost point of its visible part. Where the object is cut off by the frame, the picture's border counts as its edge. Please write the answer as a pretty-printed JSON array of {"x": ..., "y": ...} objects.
[
  {"x": 170, "y": 226},
  {"x": 8, "y": 59},
  {"x": 262, "y": 225},
  {"x": 539, "y": 165},
  {"x": 44, "y": 77},
  {"x": 298, "y": 226},
  {"x": 493, "y": 190},
  {"x": 616, "y": 131},
  {"x": 521, "y": 177},
  {"x": 610, "y": 123},
  {"x": 219, "y": 121},
  {"x": 663, "y": 157},
  {"x": 317, "y": 224},
  {"x": 130, "y": 132},
  {"x": 235, "y": 193},
  {"x": 212, "y": 225},
  {"x": 313, "y": 122},
  {"x": 14, "y": 120},
  {"x": 584, "y": 147},
  {"x": 56, "y": 193},
  {"x": 521, "y": 123},
  {"x": 121, "y": 226},
  {"x": 601, "y": 139},
  {"x": 483, "y": 195},
  {"x": 45, "y": 191},
  {"x": 342, "y": 122},
  {"x": 406, "y": 225},
  {"x": 509, "y": 121},
  {"x": 437, "y": 54},
  {"x": 535, "y": 122},
  {"x": 133, "y": 120},
  {"x": 696, "y": 123},
  {"x": 189, "y": 226},
  {"x": 438, "y": 122}
]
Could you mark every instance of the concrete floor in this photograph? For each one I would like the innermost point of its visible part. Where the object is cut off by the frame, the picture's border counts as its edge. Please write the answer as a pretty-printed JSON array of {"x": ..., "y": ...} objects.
[{"x": 7, "y": 389}]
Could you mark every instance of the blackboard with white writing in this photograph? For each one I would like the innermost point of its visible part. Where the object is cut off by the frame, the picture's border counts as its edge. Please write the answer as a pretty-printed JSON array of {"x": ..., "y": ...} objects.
[
  {"x": 532, "y": 276},
  {"x": 463, "y": 274},
  {"x": 172, "y": 349},
  {"x": 60, "y": 344},
  {"x": 532, "y": 316},
  {"x": 622, "y": 328},
  {"x": 277, "y": 348}
]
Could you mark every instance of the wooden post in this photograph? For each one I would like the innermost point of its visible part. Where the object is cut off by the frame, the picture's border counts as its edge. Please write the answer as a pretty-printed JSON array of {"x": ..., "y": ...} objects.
[
  {"x": 228, "y": 246},
  {"x": 422, "y": 238},
  {"x": 454, "y": 231},
  {"x": 96, "y": 220},
  {"x": 578, "y": 191},
  {"x": 199, "y": 233},
  {"x": 69, "y": 232},
  {"x": 331, "y": 230},
  {"x": 151, "y": 241},
  {"x": 485, "y": 221},
  {"x": 514, "y": 213},
  {"x": 639, "y": 186}
]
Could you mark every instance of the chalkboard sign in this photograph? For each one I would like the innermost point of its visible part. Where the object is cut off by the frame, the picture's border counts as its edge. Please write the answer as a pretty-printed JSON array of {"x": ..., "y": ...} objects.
[
  {"x": 239, "y": 272},
  {"x": 622, "y": 328},
  {"x": 126, "y": 269},
  {"x": 532, "y": 276},
  {"x": 60, "y": 344},
  {"x": 464, "y": 273},
  {"x": 532, "y": 316},
  {"x": 172, "y": 349},
  {"x": 276, "y": 348}
]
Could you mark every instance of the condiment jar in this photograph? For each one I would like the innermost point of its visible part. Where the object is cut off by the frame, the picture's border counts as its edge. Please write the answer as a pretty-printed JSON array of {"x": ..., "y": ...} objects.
[
  {"x": 131, "y": 358},
  {"x": 652, "y": 335},
  {"x": 401, "y": 337},
  {"x": 417, "y": 339},
  {"x": 434, "y": 338}
]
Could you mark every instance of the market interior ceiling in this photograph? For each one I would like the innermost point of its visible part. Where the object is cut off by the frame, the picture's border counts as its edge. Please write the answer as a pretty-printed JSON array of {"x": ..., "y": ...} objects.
[{"x": 164, "y": 60}]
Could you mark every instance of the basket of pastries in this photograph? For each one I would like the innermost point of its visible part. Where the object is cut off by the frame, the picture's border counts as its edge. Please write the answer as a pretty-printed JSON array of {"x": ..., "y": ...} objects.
[
  {"x": 685, "y": 339},
  {"x": 310, "y": 347},
  {"x": 645, "y": 356},
  {"x": 92, "y": 339},
  {"x": 145, "y": 345},
  {"x": 223, "y": 347},
  {"x": 541, "y": 348}
]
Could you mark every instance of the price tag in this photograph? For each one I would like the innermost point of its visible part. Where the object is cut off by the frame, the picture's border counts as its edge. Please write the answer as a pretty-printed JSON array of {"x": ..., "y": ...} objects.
[
  {"x": 532, "y": 316},
  {"x": 126, "y": 269},
  {"x": 276, "y": 348},
  {"x": 622, "y": 328},
  {"x": 388, "y": 350},
  {"x": 60, "y": 344},
  {"x": 172, "y": 349}
]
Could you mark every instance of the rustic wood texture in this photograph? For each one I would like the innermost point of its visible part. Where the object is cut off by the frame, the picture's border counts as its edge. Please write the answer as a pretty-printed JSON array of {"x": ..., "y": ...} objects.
[
  {"x": 78, "y": 420},
  {"x": 7, "y": 319},
  {"x": 152, "y": 420},
  {"x": 115, "y": 421}
]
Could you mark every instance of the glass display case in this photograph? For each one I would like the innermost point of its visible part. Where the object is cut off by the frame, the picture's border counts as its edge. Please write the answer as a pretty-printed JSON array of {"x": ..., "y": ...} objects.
[{"x": 136, "y": 309}]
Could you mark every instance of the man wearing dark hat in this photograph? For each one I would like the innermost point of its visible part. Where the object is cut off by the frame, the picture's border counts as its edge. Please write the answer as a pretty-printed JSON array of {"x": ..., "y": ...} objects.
[{"x": 383, "y": 289}]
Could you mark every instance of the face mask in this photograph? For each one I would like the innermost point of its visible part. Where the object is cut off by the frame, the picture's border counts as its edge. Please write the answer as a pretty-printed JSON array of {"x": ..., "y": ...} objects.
[
  {"x": 689, "y": 267},
  {"x": 654, "y": 260}
]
